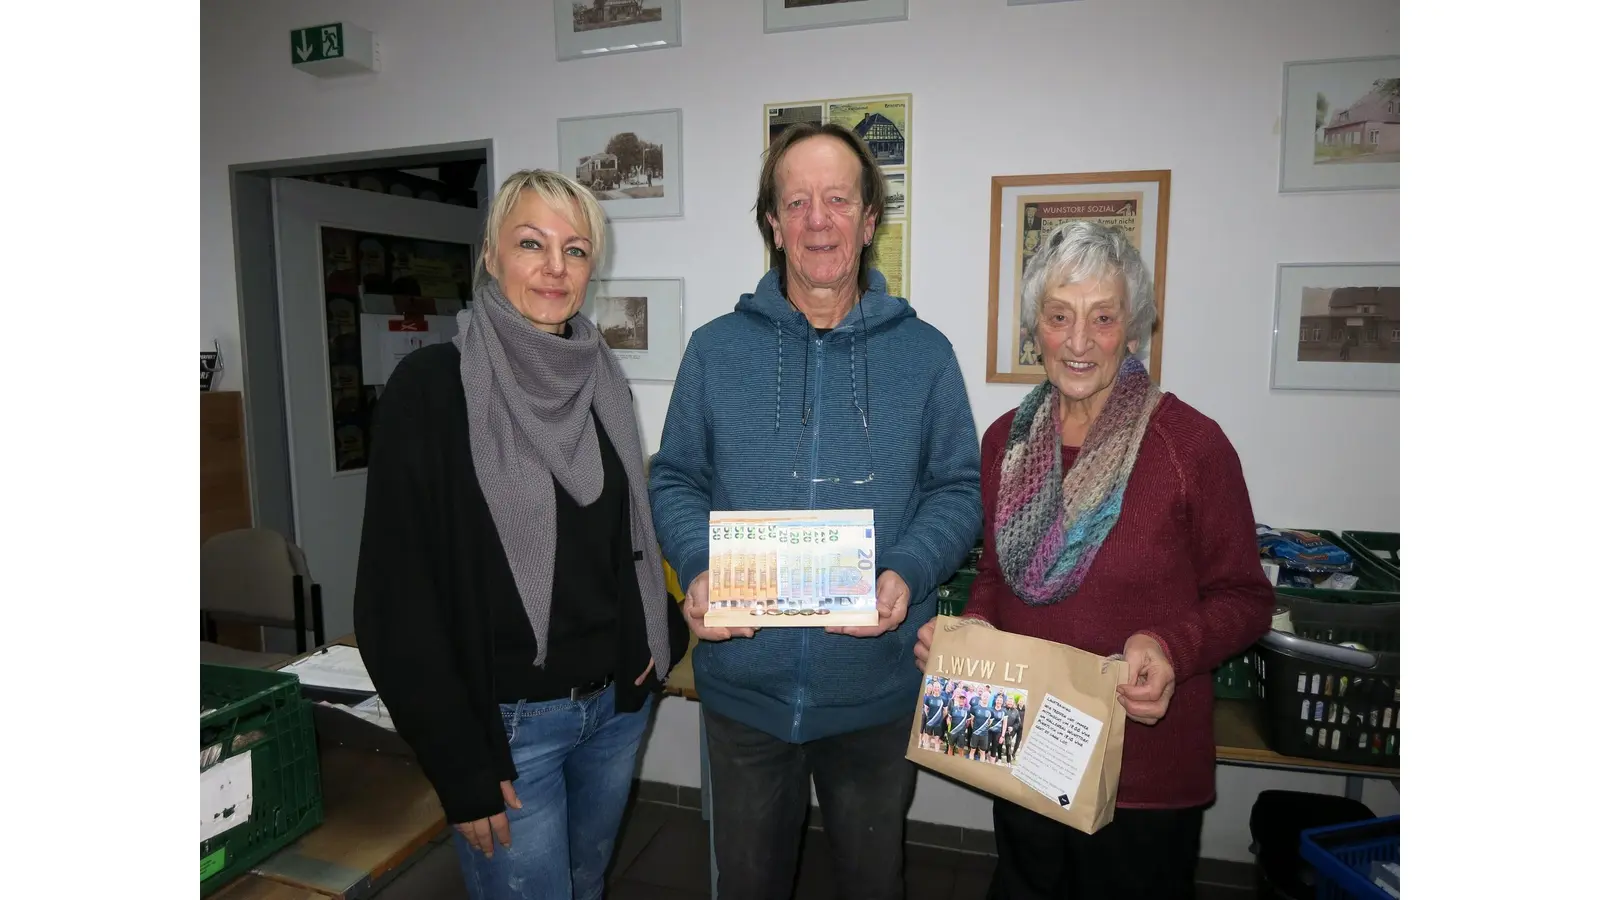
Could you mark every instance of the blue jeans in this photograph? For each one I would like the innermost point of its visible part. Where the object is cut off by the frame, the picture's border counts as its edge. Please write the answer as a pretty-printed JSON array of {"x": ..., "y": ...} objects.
[{"x": 574, "y": 771}]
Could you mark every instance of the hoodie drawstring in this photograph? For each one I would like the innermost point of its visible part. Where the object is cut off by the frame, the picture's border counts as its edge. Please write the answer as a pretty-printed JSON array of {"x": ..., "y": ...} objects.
[
  {"x": 856, "y": 391},
  {"x": 854, "y": 398},
  {"x": 777, "y": 412}
]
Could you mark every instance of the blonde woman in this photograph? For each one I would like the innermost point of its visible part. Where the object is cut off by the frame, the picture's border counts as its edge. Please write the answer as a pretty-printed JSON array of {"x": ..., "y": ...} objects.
[{"x": 510, "y": 603}]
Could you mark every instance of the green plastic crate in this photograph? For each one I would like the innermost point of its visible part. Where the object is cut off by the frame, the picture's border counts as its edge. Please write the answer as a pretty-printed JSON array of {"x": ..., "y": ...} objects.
[
  {"x": 1236, "y": 679},
  {"x": 953, "y": 594},
  {"x": 260, "y": 717},
  {"x": 1374, "y": 584},
  {"x": 1380, "y": 547}
]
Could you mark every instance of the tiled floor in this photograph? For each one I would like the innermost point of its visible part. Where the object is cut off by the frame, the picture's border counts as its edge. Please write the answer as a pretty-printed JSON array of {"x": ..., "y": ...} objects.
[{"x": 664, "y": 854}]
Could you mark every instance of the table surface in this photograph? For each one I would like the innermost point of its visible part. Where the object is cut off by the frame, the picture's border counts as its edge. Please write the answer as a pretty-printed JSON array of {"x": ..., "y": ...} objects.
[
  {"x": 1237, "y": 729},
  {"x": 255, "y": 887},
  {"x": 377, "y": 811}
]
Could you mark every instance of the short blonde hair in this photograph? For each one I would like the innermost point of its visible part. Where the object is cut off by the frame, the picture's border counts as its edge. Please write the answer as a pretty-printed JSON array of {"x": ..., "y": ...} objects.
[{"x": 562, "y": 194}]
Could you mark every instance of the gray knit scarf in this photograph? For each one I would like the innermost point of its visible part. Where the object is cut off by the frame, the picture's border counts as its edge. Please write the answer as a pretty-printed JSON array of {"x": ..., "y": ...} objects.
[{"x": 528, "y": 399}]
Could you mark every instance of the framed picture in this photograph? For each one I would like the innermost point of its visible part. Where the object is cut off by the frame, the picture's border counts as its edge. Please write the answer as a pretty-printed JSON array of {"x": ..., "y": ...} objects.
[
  {"x": 641, "y": 320},
  {"x": 1024, "y": 209},
  {"x": 633, "y": 162},
  {"x": 796, "y": 15},
  {"x": 1341, "y": 125},
  {"x": 586, "y": 28},
  {"x": 1337, "y": 327}
]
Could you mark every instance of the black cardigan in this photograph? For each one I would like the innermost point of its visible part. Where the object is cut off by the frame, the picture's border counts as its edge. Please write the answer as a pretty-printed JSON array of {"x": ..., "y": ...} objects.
[{"x": 430, "y": 562}]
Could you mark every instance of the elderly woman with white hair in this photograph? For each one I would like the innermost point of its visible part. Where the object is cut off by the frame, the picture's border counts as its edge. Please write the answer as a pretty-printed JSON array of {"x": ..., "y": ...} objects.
[
  {"x": 1115, "y": 519},
  {"x": 510, "y": 603}
]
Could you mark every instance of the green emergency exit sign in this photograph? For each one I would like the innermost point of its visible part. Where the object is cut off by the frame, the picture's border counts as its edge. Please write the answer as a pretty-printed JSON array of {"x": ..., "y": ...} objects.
[
  {"x": 337, "y": 48},
  {"x": 317, "y": 43}
]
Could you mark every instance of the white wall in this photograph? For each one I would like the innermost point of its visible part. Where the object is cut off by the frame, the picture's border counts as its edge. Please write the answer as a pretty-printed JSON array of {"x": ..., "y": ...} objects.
[{"x": 1095, "y": 85}]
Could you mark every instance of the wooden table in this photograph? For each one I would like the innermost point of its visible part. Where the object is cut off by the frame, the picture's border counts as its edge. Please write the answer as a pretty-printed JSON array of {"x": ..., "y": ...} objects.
[
  {"x": 1240, "y": 741},
  {"x": 378, "y": 812},
  {"x": 1238, "y": 734},
  {"x": 255, "y": 887}
]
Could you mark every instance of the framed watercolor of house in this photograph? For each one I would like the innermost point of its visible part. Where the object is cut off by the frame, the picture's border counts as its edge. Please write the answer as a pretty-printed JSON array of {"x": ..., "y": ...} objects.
[{"x": 1341, "y": 125}]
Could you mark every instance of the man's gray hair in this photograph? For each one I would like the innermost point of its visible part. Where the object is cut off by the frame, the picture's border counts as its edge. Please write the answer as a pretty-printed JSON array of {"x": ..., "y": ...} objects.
[{"x": 1077, "y": 252}]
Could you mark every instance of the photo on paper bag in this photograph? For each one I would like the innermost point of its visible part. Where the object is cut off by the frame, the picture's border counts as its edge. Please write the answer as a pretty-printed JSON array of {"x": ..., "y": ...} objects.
[{"x": 972, "y": 720}]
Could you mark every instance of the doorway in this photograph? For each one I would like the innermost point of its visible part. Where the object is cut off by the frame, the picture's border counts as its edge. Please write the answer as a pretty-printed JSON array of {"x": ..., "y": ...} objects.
[{"x": 344, "y": 263}]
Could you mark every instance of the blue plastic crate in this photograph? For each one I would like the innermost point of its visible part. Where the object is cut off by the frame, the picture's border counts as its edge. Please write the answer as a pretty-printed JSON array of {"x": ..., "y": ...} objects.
[{"x": 1342, "y": 855}]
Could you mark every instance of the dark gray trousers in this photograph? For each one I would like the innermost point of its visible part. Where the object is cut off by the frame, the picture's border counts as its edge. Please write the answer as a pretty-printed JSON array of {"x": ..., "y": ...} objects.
[{"x": 761, "y": 792}]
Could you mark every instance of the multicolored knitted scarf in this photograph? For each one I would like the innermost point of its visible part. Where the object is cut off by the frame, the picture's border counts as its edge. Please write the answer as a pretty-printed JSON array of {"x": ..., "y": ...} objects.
[{"x": 1048, "y": 524}]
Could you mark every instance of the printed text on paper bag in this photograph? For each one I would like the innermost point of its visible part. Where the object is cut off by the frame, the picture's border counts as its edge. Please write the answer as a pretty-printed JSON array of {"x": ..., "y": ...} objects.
[
  {"x": 1057, "y": 749},
  {"x": 972, "y": 667}
]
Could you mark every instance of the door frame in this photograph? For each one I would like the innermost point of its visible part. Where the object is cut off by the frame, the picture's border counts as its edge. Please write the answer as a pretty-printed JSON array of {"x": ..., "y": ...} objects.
[{"x": 261, "y": 354}]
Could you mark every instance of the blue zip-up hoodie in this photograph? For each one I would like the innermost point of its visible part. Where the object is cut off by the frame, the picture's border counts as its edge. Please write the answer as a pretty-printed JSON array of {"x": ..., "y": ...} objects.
[{"x": 737, "y": 438}]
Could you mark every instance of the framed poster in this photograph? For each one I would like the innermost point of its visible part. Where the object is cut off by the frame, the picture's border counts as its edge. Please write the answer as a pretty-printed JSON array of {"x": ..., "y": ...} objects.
[
  {"x": 1337, "y": 327},
  {"x": 641, "y": 320},
  {"x": 796, "y": 15},
  {"x": 633, "y": 162},
  {"x": 587, "y": 28},
  {"x": 1341, "y": 125},
  {"x": 884, "y": 122},
  {"x": 1024, "y": 209}
]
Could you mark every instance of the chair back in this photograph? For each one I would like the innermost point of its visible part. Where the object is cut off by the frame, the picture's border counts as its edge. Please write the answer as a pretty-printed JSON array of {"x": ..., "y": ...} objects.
[{"x": 250, "y": 572}]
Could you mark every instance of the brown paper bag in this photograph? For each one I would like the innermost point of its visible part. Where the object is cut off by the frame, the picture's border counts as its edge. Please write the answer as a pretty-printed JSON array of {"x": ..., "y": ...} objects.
[{"x": 1065, "y": 760}]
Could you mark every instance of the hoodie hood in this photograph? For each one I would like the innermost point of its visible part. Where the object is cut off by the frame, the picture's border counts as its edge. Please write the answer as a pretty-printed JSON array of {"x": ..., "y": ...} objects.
[
  {"x": 874, "y": 312},
  {"x": 876, "y": 306}
]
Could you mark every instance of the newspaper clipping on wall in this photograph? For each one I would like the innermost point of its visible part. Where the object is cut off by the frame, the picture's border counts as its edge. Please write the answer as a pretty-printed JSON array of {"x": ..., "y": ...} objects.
[
  {"x": 884, "y": 123},
  {"x": 1037, "y": 216}
]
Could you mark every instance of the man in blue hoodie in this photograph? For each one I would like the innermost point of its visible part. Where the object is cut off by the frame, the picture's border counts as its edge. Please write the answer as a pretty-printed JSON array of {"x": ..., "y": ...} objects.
[{"x": 819, "y": 391}]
